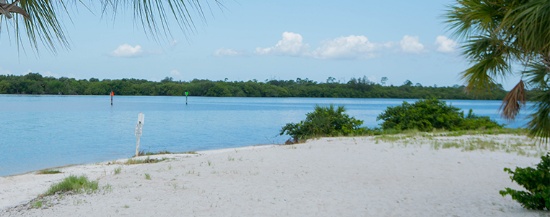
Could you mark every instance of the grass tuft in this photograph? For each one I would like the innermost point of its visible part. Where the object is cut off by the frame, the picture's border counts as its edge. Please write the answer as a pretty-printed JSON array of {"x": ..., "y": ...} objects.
[
  {"x": 73, "y": 184},
  {"x": 118, "y": 170},
  {"x": 37, "y": 204},
  {"x": 144, "y": 161},
  {"x": 144, "y": 153}
]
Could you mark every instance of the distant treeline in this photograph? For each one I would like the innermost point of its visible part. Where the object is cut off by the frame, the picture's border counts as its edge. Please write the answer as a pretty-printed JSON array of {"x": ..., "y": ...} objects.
[{"x": 34, "y": 83}]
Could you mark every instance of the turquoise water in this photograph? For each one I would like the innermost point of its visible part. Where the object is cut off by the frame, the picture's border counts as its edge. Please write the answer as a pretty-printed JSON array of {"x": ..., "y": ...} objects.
[{"x": 48, "y": 131}]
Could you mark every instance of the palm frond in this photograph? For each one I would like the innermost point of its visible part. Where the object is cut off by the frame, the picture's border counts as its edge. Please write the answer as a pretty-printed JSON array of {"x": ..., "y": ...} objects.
[
  {"x": 500, "y": 33},
  {"x": 44, "y": 27},
  {"x": 472, "y": 17},
  {"x": 529, "y": 22},
  {"x": 479, "y": 47},
  {"x": 156, "y": 16},
  {"x": 514, "y": 100},
  {"x": 490, "y": 62},
  {"x": 537, "y": 75},
  {"x": 477, "y": 79},
  {"x": 539, "y": 125}
]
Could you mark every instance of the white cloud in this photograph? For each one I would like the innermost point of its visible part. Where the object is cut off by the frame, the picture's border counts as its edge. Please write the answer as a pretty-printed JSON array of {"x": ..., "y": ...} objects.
[
  {"x": 410, "y": 44},
  {"x": 291, "y": 44},
  {"x": 126, "y": 50},
  {"x": 445, "y": 45},
  {"x": 345, "y": 47},
  {"x": 227, "y": 52},
  {"x": 349, "y": 47}
]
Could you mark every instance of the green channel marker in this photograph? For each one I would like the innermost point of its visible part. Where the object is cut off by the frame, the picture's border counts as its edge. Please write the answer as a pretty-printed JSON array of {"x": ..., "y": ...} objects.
[{"x": 186, "y": 93}]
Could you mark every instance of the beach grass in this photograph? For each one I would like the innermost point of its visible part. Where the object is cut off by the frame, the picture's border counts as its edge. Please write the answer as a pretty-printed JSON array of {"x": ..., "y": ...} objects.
[
  {"x": 37, "y": 204},
  {"x": 147, "y": 153},
  {"x": 118, "y": 170},
  {"x": 48, "y": 171},
  {"x": 144, "y": 161},
  {"x": 469, "y": 141},
  {"x": 73, "y": 184}
]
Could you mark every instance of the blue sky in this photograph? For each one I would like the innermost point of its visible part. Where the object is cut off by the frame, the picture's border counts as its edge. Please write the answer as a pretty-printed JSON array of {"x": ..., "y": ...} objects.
[{"x": 398, "y": 39}]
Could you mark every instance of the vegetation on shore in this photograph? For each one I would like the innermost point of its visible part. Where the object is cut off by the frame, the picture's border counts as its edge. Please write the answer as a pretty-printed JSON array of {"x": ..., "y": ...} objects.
[
  {"x": 537, "y": 183},
  {"x": 424, "y": 115},
  {"x": 34, "y": 83},
  {"x": 148, "y": 153},
  {"x": 429, "y": 114},
  {"x": 48, "y": 171},
  {"x": 468, "y": 140},
  {"x": 73, "y": 184},
  {"x": 144, "y": 161},
  {"x": 323, "y": 121}
]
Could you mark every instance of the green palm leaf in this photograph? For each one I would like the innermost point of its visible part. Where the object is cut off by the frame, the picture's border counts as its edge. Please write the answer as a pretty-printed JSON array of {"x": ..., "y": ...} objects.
[
  {"x": 539, "y": 125},
  {"x": 529, "y": 22},
  {"x": 43, "y": 26},
  {"x": 498, "y": 34}
]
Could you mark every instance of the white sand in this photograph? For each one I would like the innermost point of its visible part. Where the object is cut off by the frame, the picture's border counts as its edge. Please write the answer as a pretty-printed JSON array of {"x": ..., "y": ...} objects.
[{"x": 325, "y": 177}]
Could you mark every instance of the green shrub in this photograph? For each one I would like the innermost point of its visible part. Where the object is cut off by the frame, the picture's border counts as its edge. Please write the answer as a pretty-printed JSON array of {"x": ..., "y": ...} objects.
[
  {"x": 535, "y": 181},
  {"x": 73, "y": 184},
  {"x": 324, "y": 121},
  {"x": 429, "y": 114},
  {"x": 474, "y": 122}
]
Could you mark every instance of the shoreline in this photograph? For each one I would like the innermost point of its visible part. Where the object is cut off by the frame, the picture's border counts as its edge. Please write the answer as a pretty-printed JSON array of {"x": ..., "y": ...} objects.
[
  {"x": 346, "y": 176},
  {"x": 105, "y": 161}
]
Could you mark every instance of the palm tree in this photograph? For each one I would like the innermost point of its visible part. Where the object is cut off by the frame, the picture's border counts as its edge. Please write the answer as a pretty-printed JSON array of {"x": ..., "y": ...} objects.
[
  {"x": 39, "y": 19},
  {"x": 501, "y": 34}
]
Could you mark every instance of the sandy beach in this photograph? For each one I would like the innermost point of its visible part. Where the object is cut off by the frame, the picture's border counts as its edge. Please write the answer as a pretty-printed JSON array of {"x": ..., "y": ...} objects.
[{"x": 355, "y": 176}]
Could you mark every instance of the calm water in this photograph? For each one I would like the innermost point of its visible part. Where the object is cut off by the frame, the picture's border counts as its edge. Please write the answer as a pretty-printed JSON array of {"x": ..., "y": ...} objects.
[{"x": 47, "y": 131}]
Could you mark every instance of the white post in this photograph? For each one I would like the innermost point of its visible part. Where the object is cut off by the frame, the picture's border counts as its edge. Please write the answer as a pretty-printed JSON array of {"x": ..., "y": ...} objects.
[
  {"x": 139, "y": 130},
  {"x": 137, "y": 146}
]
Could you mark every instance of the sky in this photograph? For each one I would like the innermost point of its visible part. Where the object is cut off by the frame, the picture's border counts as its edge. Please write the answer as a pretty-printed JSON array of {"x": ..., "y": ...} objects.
[{"x": 263, "y": 40}]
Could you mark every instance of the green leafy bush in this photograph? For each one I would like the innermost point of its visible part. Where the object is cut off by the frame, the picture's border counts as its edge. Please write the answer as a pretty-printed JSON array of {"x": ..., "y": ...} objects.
[
  {"x": 474, "y": 122},
  {"x": 324, "y": 121},
  {"x": 535, "y": 181},
  {"x": 429, "y": 114}
]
